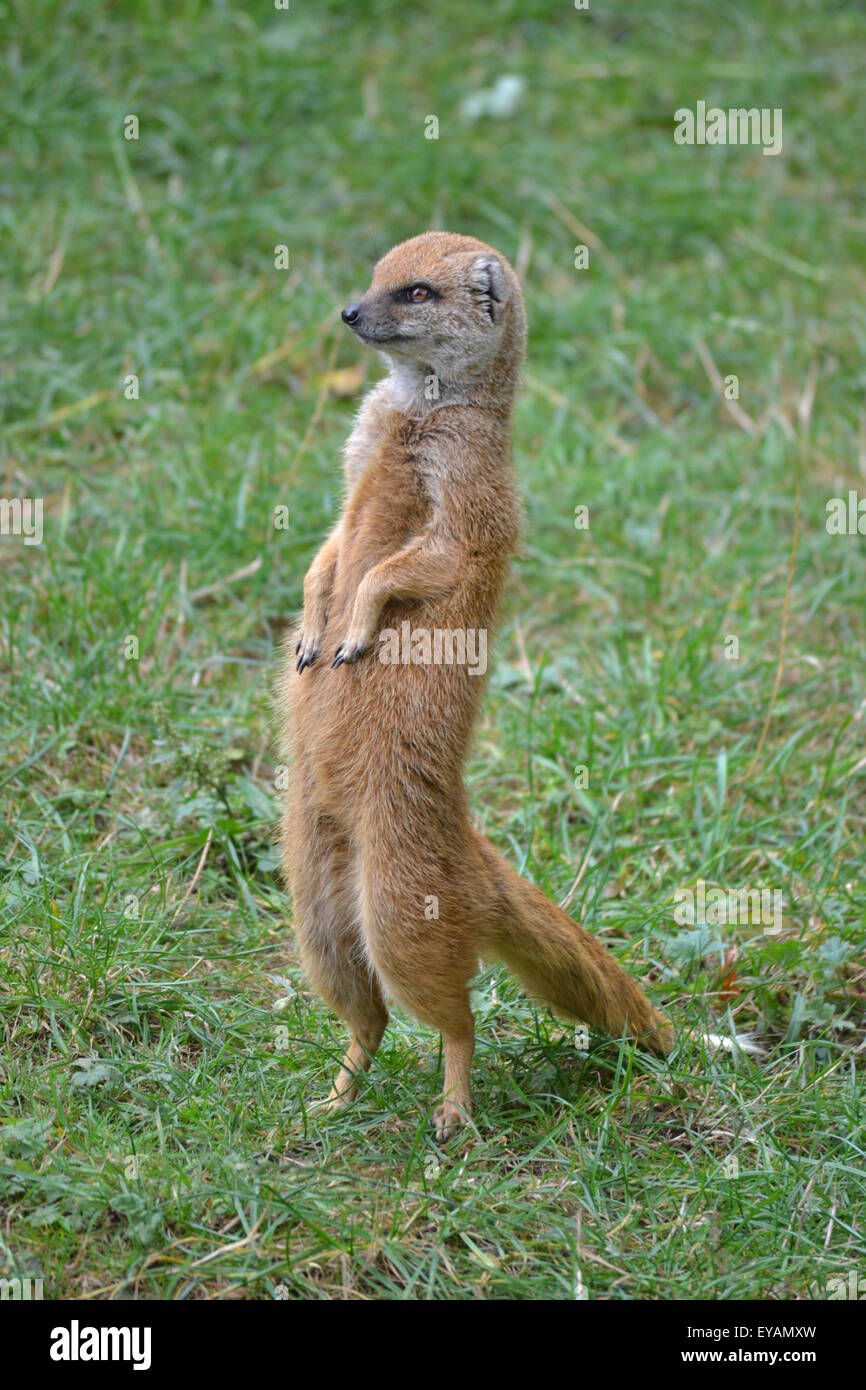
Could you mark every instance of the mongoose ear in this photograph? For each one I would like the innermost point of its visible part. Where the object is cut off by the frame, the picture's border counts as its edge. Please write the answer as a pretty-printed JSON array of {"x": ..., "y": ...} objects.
[{"x": 487, "y": 276}]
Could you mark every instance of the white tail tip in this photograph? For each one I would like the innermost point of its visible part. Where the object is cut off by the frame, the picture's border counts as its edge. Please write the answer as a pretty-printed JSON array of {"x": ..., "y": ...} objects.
[{"x": 739, "y": 1042}]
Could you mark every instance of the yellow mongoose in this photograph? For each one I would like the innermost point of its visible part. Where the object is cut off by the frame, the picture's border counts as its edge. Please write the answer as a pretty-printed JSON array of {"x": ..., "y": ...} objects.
[{"x": 395, "y": 895}]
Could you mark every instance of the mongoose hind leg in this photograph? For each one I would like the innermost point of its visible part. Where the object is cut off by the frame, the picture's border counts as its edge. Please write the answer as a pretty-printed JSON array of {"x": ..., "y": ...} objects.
[
  {"x": 335, "y": 964},
  {"x": 359, "y": 1054},
  {"x": 455, "y": 1108},
  {"x": 321, "y": 868},
  {"x": 424, "y": 963}
]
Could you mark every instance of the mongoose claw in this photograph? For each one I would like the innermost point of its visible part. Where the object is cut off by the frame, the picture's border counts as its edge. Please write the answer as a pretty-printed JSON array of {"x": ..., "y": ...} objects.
[
  {"x": 448, "y": 1119},
  {"x": 309, "y": 651},
  {"x": 348, "y": 652}
]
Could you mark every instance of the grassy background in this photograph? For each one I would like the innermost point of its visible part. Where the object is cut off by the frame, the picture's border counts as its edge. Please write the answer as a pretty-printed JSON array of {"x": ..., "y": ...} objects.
[{"x": 161, "y": 1048}]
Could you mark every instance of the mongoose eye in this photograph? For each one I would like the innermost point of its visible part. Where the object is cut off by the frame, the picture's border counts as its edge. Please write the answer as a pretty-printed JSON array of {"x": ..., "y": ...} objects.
[{"x": 416, "y": 294}]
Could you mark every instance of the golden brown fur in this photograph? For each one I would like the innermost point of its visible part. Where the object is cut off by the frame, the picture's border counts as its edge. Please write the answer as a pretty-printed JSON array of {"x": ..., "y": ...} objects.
[{"x": 376, "y": 825}]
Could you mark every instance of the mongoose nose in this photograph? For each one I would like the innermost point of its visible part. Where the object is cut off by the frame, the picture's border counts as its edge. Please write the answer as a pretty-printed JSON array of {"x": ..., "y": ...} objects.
[{"x": 352, "y": 314}]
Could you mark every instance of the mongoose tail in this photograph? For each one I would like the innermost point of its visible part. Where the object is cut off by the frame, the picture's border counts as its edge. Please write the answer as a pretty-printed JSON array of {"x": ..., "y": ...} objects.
[{"x": 562, "y": 964}]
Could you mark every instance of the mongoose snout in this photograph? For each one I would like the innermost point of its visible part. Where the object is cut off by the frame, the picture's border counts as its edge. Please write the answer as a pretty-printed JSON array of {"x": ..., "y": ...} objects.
[{"x": 395, "y": 895}]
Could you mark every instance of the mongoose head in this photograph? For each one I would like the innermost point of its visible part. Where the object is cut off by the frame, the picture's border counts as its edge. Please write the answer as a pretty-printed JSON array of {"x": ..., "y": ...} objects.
[{"x": 445, "y": 305}]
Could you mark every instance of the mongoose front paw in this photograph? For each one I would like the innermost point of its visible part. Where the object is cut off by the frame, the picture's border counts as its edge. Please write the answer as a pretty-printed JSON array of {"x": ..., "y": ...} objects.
[
  {"x": 309, "y": 650},
  {"x": 351, "y": 650}
]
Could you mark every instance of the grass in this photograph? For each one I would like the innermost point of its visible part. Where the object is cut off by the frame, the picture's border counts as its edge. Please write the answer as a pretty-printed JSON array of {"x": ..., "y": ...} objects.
[{"x": 162, "y": 1052}]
